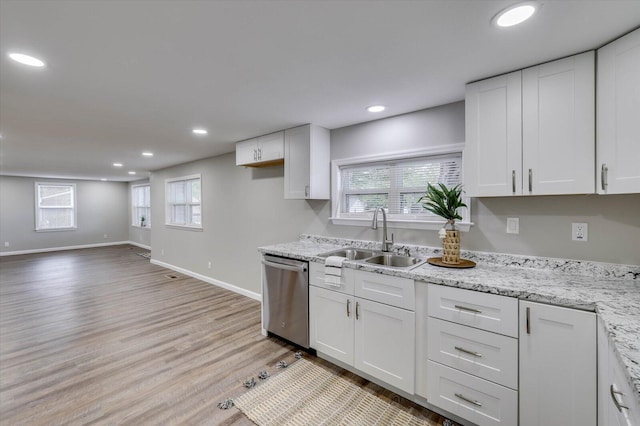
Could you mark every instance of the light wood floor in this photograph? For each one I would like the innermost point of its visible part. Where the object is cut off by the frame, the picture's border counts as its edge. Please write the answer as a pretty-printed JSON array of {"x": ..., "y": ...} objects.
[{"x": 102, "y": 336}]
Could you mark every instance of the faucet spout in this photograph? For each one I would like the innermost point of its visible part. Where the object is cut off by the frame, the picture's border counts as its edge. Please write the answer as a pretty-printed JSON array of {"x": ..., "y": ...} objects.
[{"x": 386, "y": 242}]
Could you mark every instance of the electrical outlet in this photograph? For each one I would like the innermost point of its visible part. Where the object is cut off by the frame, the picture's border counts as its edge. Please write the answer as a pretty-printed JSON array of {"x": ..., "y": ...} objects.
[
  {"x": 6, "y": 243},
  {"x": 209, "y": 264},
  {"x": 105, "y": 236},
  {"x": 162, "y": 252},
  {"x": 513, "y": 225},
  {"x": 579, "y": 231}
]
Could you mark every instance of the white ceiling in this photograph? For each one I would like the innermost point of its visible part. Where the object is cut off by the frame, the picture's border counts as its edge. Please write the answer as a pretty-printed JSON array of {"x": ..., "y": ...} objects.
[{"x": 127, "y": 76}]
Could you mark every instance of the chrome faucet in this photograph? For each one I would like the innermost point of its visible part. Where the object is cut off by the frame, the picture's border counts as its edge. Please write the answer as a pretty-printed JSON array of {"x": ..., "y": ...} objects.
[{"x": 386, "y": 243}]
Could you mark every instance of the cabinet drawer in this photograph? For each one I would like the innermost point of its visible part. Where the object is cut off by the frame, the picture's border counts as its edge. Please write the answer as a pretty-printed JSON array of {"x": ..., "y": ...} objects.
[
  {"x": 473, "y": 399},
  {"x": 498, "y": 314},
  {"x": 487, "y": 355},
  {"x": 317, "y": 278},
  {"x": 394, "y": 291}
]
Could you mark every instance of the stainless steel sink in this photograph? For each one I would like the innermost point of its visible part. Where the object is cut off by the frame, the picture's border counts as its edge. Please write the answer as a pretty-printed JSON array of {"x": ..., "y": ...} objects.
[
  {"x": 394, "y": 261},
  {"x": 350, "y": 253}
]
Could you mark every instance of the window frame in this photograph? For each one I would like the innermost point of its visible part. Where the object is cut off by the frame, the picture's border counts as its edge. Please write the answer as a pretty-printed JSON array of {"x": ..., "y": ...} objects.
[
  {"x": 168, "y": 205},
  {"x": 135, "y": 222},
  {"x": 37, "y": 207},
  {"x": 412, "y": 223}
]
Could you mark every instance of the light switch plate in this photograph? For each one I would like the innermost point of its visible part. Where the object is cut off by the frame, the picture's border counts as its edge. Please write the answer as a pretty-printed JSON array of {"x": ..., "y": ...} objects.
[{"x": 513, "y": 225}]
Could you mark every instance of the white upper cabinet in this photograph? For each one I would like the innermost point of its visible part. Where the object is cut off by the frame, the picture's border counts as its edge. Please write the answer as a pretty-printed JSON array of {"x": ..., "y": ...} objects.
[
  {"x": 493, "y": 150},
  {"x": 618, "y": 108},
  {"x": 558, "y": 126},
  {"x": 306, "y": 163},
  {"x": 531, "y": 132},
  {"x": 262, "y": 151}
]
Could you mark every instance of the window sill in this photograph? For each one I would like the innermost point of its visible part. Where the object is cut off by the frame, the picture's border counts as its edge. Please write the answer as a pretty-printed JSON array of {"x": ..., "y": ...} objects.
[
  {"x": 141, "y": 227},
  {"x": 405, "y": 224},
  {"x": 184, "y": 227},
  {"x": 56, "y": 229}
]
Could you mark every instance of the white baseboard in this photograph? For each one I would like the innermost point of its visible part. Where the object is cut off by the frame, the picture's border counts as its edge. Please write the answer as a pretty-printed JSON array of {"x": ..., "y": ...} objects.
[
  {"x": 227, "y": 286},
  {"x": 44, "y": 250},
  {"x": 133, "y": 243}
]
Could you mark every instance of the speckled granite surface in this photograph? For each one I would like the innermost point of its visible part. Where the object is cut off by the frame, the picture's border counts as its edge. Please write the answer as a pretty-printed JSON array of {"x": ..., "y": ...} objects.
[{"x": 611, "y": 290}]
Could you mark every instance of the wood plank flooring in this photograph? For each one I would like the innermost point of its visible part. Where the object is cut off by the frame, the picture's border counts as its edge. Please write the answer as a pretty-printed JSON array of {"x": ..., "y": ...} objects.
[{"x": 102, "y": 336}]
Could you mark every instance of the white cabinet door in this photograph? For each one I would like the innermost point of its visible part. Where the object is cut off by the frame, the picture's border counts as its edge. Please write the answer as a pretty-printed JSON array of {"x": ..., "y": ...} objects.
[
  {"x": 331, "y": 316},
  {"x": 618, "y": 111},
  {"x": 246, "y": 152},
  {"x": 271, "y": 147},
  {"x": 558, "y": 126},
  {"x": 385, "y": 343},
  {"x": 557, "y": 366},
  {"x": 306, "y": 163},
  {"x": 493, "y": 147}
]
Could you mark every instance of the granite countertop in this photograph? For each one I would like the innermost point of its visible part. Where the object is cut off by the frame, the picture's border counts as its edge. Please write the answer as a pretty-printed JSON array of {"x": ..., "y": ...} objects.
[{"x": 611, "y": 290}]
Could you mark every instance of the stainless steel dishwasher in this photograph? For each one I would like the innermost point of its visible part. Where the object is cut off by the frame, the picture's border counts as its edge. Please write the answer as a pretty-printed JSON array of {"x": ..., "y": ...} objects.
[{"x": 285, "y": 299}]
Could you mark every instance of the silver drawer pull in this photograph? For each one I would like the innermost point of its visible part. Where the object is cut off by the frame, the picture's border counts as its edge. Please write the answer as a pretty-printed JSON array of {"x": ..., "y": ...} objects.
[
  {"x": 466, "y": 351},
  {"x": 348, "y": 310},
  {"x": 614, "y": 392},
  {"x": 471, "y": 401},
  {"x": 464, "y": 308}
]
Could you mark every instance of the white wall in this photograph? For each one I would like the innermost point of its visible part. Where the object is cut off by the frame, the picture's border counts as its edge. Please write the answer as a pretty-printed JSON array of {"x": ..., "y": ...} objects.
[{"x": 101, "y": 209}]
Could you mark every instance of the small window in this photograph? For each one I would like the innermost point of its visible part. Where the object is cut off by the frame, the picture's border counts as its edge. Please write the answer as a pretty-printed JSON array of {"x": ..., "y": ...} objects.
[
  {"x": 184, "y": 202},
  {"x": 55, "y": 206},
  {"x": 141, "y": 205},
  {"x": 395, "y": 184}
]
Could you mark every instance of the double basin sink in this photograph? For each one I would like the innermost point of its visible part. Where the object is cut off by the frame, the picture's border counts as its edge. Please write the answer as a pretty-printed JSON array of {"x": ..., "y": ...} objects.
[{"x": 391, "y": 260}]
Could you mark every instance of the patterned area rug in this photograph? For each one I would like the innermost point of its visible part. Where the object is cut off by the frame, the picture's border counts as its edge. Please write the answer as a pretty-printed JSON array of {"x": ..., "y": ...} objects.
[
  {"x": 146, "y": 255},
  {"x": 307, "y": 394}
]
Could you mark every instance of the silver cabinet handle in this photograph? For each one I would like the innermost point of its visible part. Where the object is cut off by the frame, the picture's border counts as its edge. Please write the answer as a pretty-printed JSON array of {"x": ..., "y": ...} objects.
[
  {"x": 348, "y": 306},
  {"x": 513, "y": 181},
  {"x": 464, "y": 398},
  {"x": 530, "y": 180},
  {"x": 255, "y": 155},
  {"x": 603, "y": 176},
  {"x": 614, "y": 392},
  {"x": 357, "y": 310},
  {"x": 528, "y": 320},
  {"x": 467, "y": 351},
  {"x": 260, "y": 154},
  {"x": 464, "y": 308}
]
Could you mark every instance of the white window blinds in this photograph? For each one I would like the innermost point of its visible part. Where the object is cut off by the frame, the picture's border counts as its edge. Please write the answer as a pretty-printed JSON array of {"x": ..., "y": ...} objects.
[
  {"x": 141, "y": 205},
  {"x": 55, "y": 206},
  {"x": 395, "y": 185},
  {"x": 184, "y": 202}
]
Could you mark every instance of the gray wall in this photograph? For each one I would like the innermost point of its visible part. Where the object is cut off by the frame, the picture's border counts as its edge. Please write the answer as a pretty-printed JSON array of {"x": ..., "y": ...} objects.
[
  {"x": 102, "y": 209},
  {"x": 137, "y": 234},
  {"x": 244, "y": 208}
]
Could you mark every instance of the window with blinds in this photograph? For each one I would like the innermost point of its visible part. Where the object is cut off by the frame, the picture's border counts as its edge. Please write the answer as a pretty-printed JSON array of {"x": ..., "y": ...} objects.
[
  {"x": 395, "y": 185},
  {"x": 55, "y": 206},
  {"x": 141, "y": 205},
  {"x": 184, "y": 202}
]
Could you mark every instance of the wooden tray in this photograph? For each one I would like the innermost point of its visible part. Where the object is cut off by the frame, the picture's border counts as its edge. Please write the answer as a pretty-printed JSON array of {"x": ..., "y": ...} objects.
[{"x": 464, "y": 263}]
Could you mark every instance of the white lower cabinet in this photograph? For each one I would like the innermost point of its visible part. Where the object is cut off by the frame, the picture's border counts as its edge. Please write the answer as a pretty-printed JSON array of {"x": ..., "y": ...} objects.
[
  {"x": 617, "y": 403},
  {"x": 557, "y": 366},
  {"x": 331, "y": 316},
  {"x": 474, "y": 399},
  {"x": 375, "y": 338}
]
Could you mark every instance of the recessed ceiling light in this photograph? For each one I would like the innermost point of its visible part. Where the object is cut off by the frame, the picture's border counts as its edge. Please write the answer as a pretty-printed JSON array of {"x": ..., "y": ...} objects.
[
  {"x": 117, "y": 164},
  {"x": 132, "y": 173},
  {"x": 516, "y": 14},
  {"x": 376, "y": 108},
  {"x": 26, "y": 59},
  {"x": 200, "y": 131},
  {"x": 103, "y": 179},
  {"x": 148, "y": 154}
]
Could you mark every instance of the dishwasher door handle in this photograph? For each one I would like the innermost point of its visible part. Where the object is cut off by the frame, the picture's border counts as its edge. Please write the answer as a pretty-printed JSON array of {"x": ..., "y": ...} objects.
[{"x": 300, "y": 268}]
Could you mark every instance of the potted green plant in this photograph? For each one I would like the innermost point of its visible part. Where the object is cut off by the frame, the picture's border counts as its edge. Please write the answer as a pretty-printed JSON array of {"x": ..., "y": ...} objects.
[
  {"x": 142, "y": 221},
  {"x": 445, "y": 202}
]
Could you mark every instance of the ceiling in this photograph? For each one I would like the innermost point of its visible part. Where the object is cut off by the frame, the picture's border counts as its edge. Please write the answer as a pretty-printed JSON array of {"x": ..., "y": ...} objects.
[{"x": 124, "y": 77}]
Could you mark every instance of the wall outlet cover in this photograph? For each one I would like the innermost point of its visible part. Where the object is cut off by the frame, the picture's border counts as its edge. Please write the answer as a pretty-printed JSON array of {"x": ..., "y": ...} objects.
[
  {"x": 579, "y": 231},
  {"x": 513, "y": 225}
]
